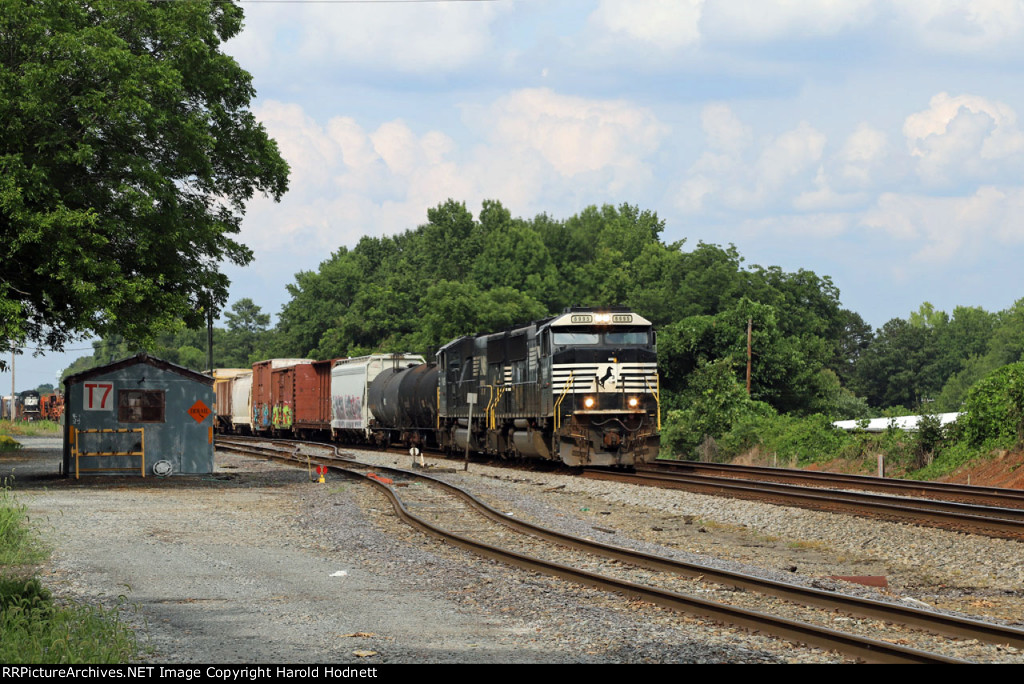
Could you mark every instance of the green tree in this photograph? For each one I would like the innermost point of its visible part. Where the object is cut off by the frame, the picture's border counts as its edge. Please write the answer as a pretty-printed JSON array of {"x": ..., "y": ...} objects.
[
  {"x": 898, "y": 367},
  {"x": 127, "y": 154},
  {"x": 246, "y": 325}
]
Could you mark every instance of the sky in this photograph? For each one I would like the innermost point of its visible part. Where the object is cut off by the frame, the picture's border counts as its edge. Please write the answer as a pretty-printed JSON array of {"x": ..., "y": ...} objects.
[{"x": 876, "y": 143}]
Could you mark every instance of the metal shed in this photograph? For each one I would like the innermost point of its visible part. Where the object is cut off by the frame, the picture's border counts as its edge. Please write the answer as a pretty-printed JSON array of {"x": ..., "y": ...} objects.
[{"x": 142, "y": 416}]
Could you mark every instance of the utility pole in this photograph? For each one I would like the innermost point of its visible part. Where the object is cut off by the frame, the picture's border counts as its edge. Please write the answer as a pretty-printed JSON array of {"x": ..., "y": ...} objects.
[
  {"x": 14, "y": 403},
  {"x": 750, "y": 328},
  {"x": 209, "y": 339}
]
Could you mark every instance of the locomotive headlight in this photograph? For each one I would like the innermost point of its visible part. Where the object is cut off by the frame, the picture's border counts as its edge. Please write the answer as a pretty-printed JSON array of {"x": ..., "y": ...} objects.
[
  {"x": 588, "y": 402},
  {"x": 633, "y": 402}
]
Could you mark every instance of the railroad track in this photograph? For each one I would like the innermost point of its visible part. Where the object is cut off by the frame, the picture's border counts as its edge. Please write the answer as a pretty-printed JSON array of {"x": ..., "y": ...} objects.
[
  {"x": 992, "y": 521},
  {"x": 943, "y": 491},
  {"x": 887, "y": 632}
]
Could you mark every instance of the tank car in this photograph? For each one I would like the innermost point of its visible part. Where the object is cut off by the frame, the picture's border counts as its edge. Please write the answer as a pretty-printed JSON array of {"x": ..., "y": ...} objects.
[{"x": 581, "y": 388}]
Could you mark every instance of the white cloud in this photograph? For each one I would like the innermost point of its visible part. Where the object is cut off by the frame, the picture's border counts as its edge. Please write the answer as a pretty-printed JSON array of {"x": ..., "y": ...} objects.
[
  {"x": 301, "y": 141},
  {"x": 769, "y": 20},
  {"x": 417, "y": 38},
  {"x": 532, "y": 145},
  {"x": 724, "y": 129},
  {"x": 958, "y": 27},
  {"x": 666, "y": 24},
  {"x": 825, "y": 198},
  {"x": 943, "y": 230},
  {"x": 346, "y": 182},
  {"x": 574, "y": 135},
  {"x": 962, "y": 25},
  {"x": 735, "y": 174},
  {"x": 964, "y": 137},
  {"x": 788, "y": 157},
  {"x": 863, "y": 155}
]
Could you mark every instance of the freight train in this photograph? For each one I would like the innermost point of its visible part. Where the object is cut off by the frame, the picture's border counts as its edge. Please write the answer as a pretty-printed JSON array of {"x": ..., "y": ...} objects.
[
  {"x": 580, "y": 388},
  {"x": 31, "y": 405}
]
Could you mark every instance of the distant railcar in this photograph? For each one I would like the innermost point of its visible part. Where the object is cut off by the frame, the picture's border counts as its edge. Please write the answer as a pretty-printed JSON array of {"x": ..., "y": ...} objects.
[
  {"x": 51, "y": 406},
  {"x": 223, "y": 381},
  {"x": 269, "y": 388},
  {"x": 29, "y": 407},
  {"x": 241, "y": 411},
  {"x": 302, "y": 399}
]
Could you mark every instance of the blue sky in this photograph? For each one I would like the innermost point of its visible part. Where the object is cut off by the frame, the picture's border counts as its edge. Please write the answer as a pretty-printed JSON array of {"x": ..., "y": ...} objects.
[{"x": 877, "y": 143}]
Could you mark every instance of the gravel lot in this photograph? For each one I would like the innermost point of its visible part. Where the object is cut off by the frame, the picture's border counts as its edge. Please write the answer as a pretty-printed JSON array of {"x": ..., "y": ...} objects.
[{"x": 256, "y": 564}]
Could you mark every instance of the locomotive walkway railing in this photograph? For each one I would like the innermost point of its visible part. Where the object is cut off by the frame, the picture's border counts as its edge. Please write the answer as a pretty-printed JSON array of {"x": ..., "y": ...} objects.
[
  {"x": 656, "y": 392},
  {"x": 558, "y": 404}
]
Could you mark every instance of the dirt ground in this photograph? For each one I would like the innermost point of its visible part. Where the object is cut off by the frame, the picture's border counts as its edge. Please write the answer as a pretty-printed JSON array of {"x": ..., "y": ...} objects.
[{"x": 1004, "y": 470}]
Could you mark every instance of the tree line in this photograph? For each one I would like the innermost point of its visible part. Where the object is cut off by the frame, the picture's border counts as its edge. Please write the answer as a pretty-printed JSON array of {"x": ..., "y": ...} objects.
[{"x": 458, "y": 274}]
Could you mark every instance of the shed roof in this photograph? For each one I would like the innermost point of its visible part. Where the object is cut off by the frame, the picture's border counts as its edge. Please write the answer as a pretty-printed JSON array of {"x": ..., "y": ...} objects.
[{"x": 141, "y": 357}]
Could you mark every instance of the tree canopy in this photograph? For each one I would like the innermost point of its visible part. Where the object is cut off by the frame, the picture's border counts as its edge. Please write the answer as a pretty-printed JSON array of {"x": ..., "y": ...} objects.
[
  {"x": 127, "y": 154},
  {"x": 458, "y": 275}
]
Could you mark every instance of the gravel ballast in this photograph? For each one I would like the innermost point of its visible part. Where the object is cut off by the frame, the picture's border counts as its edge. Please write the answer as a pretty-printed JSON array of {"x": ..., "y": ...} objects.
[{"x": 257, "y": 564}]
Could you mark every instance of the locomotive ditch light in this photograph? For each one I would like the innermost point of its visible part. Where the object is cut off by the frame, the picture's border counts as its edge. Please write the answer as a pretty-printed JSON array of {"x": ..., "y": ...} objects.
[
  {"x": 588, "y": 402},
  {"x": 633, "y": 402}
]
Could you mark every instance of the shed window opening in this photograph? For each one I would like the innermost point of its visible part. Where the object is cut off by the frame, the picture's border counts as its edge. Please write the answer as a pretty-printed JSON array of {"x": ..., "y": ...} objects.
[{"x": 141, "y": 406}]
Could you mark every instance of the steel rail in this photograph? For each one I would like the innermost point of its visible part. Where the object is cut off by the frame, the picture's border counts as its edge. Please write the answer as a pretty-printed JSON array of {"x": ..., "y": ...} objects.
[
  {"x": 953, "y": 626},
  {"x": 1005, "y": 523},
  {"x": 870, "y": 650},
  {"x": 1009, "y": 498}
]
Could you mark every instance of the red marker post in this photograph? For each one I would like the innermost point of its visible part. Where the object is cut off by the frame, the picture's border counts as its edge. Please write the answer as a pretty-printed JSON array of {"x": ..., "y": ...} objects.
[{"x": 321, "y": 471}]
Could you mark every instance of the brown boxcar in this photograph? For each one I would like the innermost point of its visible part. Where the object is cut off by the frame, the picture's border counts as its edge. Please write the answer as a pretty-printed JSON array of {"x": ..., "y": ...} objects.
[
  {"x": 263, "y": 391},
  {"x": 312, "y": 397}
]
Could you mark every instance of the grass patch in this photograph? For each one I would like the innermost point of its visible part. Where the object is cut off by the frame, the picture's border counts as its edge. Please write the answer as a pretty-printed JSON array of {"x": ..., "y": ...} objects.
[
  {"x": 31, "y": 428},
  {"x": 952, "y": 459},
  {"x": 34, "y": 627},
  {"x": 18, "y": 546}
]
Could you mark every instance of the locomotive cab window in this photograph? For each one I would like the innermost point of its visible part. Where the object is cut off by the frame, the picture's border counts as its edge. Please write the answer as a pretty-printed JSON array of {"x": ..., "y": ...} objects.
[
  {"x": 626, "y": 337},
  {"x": 567, "y": 337},
  {"x": 141, "y": 406}
]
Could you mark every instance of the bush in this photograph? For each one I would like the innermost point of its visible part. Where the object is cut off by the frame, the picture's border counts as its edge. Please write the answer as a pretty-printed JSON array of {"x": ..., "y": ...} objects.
[
  {"x": 711, "y": 405},
  {"x": 931, "y": 438},
  {"x": 995, "y": 409}
]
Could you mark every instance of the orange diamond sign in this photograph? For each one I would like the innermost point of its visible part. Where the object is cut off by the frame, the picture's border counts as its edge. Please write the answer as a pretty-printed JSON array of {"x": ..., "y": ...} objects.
[{"x": 199, "y": 411}]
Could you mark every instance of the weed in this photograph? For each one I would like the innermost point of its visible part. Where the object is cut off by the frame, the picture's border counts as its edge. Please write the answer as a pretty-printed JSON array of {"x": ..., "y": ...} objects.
[{"x": 34, "y": 628}]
